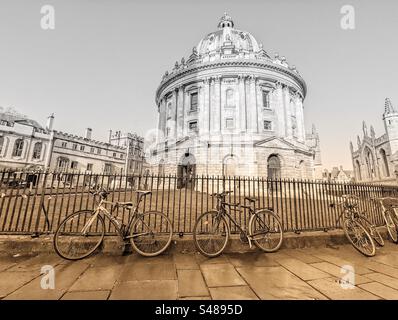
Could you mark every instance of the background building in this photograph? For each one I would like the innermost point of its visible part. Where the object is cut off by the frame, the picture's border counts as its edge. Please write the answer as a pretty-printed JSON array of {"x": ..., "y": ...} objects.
[
  {"x": 376, "y": 158},
  {"x": 338, "y": 174},
  {"x": 231, "y": 109},
  {"x": 25, "y": 144}
]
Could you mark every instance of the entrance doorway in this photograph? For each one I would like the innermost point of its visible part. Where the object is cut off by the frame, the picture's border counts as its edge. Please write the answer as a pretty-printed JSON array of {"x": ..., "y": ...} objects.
[{"x": 186, "y": 171}]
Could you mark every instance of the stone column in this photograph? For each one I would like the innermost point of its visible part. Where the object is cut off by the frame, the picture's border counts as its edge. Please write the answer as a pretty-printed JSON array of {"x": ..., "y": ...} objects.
[
  {"x": 300, "y": 119},
  {"x": 253, "y": 104},
  {"x": 206, "y": 106},
  {"x": 216, "y": 108},
  {"x": 259, "y": 97},
  {"x": 242, "y": 103},
  {"x": 180, "y": 113},
  {"x": 288, "y": 114}
]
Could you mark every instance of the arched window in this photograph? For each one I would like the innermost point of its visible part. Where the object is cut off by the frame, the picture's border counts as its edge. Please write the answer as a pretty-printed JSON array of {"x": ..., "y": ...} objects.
[
  {"x": 386, "y": 170},
  {"x": 229, "y": 166},
  {"x": 274, "y": 167},
  {"x": 37, "y": 150},
  {"x": 229, "y": 97},
  {"x": 169, "y": 110},
  {"x": 18, "y": 147},
  {"x": 369, "y": 163},
  {"x": 161, "y": 168}
]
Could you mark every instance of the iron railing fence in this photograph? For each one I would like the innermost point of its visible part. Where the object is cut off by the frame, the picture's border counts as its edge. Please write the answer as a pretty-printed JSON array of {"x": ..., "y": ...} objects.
[{"x": 36, "y": 202}]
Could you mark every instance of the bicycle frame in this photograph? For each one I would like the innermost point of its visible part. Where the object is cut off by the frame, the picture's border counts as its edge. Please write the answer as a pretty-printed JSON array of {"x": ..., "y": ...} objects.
[
  {"x": 223, "y": 211},
  {"x": 119, "y": 226}
]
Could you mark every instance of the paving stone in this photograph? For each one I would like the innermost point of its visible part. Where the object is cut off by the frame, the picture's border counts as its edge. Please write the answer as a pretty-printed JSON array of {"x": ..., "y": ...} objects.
[
  {"x": 333, "y": 290},
  {"x": 191, "y": 283},
  {"x": 233, "y": 293},
  {"x": 145, "y": 290},
  {"x": 35, "y": 263},
  {"x": 97, "y": 278},
  {"x": 382, "y": 268},
  {"x": 219, "y": 275},
  {"x": 384, "y": 279},
  {"x": 390, "y": 259},
  {"x": 11, "y": 281},
  {"x": 148, "y": 271},
  {"x": 195, "y": 298},
  {"x": 86, "y": 295},
  {"x": 277, "y": 283},
  {"x": 185, "y": 261},
  {"x": 8, "y": 261},
  {"x": 65, "y": 276},
  {"x": 252, "y": 259},
  {"x": 301, "y": 269},
  {"x": 300, "y": 255},
  {"x": 380, "y": 290},
  {"x": 204, "y": 260},
  {"x": 337, "y": 272},
  {"x": 103, "y": 260},
  {"x": 335, "y": 259}
]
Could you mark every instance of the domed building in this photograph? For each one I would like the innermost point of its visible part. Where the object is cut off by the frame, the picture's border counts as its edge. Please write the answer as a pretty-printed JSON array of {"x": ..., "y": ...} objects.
[{"x": 231, "y": 109}]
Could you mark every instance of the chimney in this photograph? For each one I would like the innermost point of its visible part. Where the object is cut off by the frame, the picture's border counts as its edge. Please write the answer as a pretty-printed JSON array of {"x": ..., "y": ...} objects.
[
  {"x": 50, "y": 122},
  {"x": 110, "y": 136},
  {"x": 88, "y": 133}
]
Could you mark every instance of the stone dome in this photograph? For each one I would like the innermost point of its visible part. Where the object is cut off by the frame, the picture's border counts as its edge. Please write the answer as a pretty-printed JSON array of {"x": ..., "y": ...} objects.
[{"x": 228, "y": 37}]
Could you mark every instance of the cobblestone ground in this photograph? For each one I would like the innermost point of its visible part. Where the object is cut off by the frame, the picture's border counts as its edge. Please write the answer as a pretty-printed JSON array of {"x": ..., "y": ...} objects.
[{"x": 313, "y": 273}]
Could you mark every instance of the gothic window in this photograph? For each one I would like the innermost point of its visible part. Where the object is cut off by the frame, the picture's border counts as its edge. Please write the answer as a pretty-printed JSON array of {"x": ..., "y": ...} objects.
[
  {"x": 229, "y": 123},
  {"x": 194, "y": 101},
  {"x": 74, "y": 146},
  {"x": 265, "y": 99},
  {"x": 229, "y": 97},
  {"x": 386, "y": 170},
  {"x": 18, "y": 147},
  {"x": 81, "y": 148},
  {"x": 37, "y": 150},
  {"x": 89, "y": 167},
  {"x": 274, "y": 167},
  {"x": 302, "y": 169},
  {"x": 267, "y": 125},
  {"x": 369, "y": 163},
  {"x": 64, "y": 144}
]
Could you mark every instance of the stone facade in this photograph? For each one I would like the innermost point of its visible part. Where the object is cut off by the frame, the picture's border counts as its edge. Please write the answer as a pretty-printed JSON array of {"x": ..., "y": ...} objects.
[
  {"x": 231, "y": 109},
  {"x": 376, "y": 158},
  {"x": 25, "y": 144}
]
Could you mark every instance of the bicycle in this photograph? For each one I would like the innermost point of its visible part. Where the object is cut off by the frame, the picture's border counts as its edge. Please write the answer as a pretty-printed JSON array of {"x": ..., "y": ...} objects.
[
  {"x": 80, "y": 234},
  {"x": 390, "y": 218},
  {"x": 361, "y": 233},
  {"x": 211, "y": 231}
]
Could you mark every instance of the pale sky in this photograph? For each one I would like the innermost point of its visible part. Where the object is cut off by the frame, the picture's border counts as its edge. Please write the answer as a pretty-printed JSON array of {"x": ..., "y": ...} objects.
[{"x": 101, "y": 65}]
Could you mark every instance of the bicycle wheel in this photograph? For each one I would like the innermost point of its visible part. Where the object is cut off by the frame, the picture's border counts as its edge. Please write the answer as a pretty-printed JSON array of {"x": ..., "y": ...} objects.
[
  {"x": 211, "y": 234},
  {"x": 359, "y": 237},
  {"x": 374, "y": 233},
  {"x": 151, "y": 233},
  {"x": 71, "y": 243},
  {"x": 266, "y": 230},
  {"x": 391, "y": 226}
]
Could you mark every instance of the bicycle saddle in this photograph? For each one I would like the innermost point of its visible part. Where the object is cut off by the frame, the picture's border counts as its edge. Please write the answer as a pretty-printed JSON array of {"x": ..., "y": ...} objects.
[
  {"x": 251, "y": 199},
  {"x": 127, "y": 204}
]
